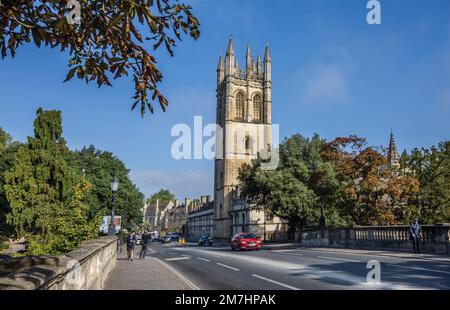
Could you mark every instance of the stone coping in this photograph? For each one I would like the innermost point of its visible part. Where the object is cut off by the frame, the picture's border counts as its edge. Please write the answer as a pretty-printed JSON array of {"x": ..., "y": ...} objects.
[{"x": 32, "y": 272}]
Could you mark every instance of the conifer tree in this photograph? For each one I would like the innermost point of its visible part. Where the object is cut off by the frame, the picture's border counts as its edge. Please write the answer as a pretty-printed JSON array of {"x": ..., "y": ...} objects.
[{"x": 46, "y": 194}]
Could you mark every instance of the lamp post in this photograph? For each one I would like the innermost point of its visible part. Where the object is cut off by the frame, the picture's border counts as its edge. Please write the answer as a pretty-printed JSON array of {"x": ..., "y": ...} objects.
[
  {"x": 112, "y": 227},
  {"x": 322, "y": 223}
]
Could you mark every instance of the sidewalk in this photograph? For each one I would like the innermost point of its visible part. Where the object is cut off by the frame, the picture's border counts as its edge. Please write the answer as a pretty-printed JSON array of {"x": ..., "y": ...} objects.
[{"x": 148, "y": 274}]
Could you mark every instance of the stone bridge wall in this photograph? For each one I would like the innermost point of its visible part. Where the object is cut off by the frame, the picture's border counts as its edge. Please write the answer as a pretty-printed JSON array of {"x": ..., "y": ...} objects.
[
  {"x": 434, "y": 240},
  {"x": 84, "y": 268}
]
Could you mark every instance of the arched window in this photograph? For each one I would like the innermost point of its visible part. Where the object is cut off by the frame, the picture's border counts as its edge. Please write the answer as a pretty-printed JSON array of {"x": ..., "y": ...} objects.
[
  {"x": 240, "y": 105},
  {"x": 257, "y": 108}
]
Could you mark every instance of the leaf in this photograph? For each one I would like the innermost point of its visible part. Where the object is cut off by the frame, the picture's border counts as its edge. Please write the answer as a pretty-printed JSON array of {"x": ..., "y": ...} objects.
[{"x": 70, "y": 74}]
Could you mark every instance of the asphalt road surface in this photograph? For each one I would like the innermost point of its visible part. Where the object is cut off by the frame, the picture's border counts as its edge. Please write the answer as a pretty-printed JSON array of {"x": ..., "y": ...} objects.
[{"x": 297, "y": 269}]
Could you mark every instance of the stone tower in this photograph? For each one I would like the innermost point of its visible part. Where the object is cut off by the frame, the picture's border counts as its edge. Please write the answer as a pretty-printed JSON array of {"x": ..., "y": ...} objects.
[
  {"x": 392, "y": 153},
  {"x": 244, "y": 114}
]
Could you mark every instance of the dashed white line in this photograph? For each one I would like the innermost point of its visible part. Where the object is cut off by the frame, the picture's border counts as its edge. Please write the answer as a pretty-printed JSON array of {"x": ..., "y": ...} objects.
[
  {"x": 185, "y": 255},
  {"x": 203, "y": 259},
  {"x": 229, "y": 267},
  {"x": 176, "y": 258},
  {"x": 276, "y": 282},
  {"x": 341, "y": 259}
]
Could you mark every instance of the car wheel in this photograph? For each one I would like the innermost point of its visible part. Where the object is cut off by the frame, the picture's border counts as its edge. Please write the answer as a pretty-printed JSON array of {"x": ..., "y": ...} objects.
[{"x": 232, "y": 247}]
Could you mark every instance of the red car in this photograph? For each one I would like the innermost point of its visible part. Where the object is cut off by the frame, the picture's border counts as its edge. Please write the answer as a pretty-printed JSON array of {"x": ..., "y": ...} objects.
[{"x": 245, "y": 241}]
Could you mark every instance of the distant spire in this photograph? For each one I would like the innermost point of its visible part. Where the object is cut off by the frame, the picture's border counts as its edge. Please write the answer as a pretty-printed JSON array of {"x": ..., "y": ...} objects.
[
  {"x": 236, "y": 64},
  {"x": 267, "y": 54},
  {"x": 393, "y": 155},
  {"x": 230, "y": 50}
]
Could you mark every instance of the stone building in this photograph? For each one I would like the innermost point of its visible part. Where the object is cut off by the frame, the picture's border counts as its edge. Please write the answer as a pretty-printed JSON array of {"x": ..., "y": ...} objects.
[
  {"x": 200, "y": 220},
  {"x": 244, "y": 114},
  {"x": 155, "y": 214}
]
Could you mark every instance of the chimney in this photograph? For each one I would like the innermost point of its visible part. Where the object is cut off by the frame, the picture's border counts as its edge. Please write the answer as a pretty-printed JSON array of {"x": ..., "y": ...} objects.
[
  {"x": 208, "y": 198},
  {"x": 176, "y": 202},
  {"x": 187, "y": 201},
  {"x": 202, "y": 199}
]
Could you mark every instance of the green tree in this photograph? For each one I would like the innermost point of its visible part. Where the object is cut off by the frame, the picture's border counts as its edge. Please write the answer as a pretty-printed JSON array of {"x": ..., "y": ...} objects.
[
  {"x": 100, "y": 168},
  {"x": 8, "y": 148},
  {"x": 108, "y": 42},
  {"x": 302, "y": 184},
  {"x": 46, "y": 194},
  {"x": 432, "y": 168},
  {"x": 164, "y": 196}
]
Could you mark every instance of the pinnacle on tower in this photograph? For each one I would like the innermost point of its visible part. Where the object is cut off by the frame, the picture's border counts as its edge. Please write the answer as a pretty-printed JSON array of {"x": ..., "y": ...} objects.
[
  {"x": 230, "y": 50},
  {"x": 259, "y": 65},
  {"x": 249, "y": 59},
  {"x": 220, "y": 65},
  {"x": 267, "y": 55}
]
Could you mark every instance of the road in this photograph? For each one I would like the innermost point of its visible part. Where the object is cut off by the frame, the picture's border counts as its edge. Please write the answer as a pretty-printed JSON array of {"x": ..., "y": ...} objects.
[{"x": 297, "y": 269}]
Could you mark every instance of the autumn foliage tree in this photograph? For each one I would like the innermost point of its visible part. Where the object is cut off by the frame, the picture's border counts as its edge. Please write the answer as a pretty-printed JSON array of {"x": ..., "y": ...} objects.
[
  {"x": 372, "y": 192},
  {"x": 108, "y": 42}
]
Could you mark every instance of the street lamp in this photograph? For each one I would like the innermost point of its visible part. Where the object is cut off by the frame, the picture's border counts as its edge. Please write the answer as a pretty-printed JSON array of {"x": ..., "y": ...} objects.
[{"x": 112, "y": 227}]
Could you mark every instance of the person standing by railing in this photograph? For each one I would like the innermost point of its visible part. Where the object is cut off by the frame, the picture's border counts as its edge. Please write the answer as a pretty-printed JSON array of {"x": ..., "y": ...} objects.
[{"x": 414, "y": 235}]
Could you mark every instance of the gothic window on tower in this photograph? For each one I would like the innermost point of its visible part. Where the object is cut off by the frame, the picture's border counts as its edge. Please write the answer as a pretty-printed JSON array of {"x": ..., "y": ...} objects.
[
  {"x": 257, "y": 108},
  {"x": 240, "y": 106}
]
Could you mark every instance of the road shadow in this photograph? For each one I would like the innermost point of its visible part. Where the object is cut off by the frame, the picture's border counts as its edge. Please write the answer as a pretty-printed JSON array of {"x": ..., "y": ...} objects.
[{"x": 393, "y": 276}]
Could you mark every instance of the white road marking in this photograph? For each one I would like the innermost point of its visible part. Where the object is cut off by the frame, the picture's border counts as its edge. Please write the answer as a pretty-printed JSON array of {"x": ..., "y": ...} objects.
[
  {"x": 229, "y": 267},
  {"x": 295, "y": 254},
  {"x": 204, "y": 259},
  {"x": 179, "y": 275},
  {"x": 418, "y": 268},
  {"x": 341, "y": 259},
  {"x": 152, "y": 251},
  {"x": 276, "y": 282},
  {"x": 176, "y": 258},
  {"x": 185, "y": 255}
]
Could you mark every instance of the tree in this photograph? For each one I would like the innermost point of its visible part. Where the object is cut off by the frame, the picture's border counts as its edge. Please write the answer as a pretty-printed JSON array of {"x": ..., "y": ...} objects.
[
  {"x": 46, "y": 194},
  {"x": 107, "y": 42},
  {"x": 371, "y": 192},
  {"x": 164, "y": 196},
  {"x": 432, "y": 168},
  {"x": 100, "y": 168},
  {"x": 8, "y": 148},
  {"x": 302, "y": 184}
]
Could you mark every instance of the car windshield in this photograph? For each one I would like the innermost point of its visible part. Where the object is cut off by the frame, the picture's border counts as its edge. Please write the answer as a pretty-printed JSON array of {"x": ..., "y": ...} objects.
[{"x": 248, "y": 236}]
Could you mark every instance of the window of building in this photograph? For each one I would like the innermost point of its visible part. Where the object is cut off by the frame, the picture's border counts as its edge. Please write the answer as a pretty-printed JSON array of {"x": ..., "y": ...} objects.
[
  {"x": 257, "y": 108},
  {"x": 240, "y": 106},
  {"x": 248, "y": 144}
]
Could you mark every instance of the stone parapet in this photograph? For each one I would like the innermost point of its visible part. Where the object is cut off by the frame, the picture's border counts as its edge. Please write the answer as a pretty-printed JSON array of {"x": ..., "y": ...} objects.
[
  {"x": 84, "y": 268},
  {"x": 434, "y": 238}
]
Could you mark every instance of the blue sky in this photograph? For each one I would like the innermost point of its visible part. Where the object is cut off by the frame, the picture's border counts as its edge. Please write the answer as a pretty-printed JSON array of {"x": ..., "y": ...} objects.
[{"x": 332, "y": 74}]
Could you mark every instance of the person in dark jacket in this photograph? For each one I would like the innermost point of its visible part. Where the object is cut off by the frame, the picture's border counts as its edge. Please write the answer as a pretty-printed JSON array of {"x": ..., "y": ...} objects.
[
  {"x": 131, "y": 241},
  {"x": 146, "y": 239},
  {"x": 414, "y": 235}
]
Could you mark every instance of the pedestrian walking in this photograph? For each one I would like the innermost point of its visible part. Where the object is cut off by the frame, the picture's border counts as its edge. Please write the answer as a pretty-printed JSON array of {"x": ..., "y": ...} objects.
[
  {"x": 414, "y": 235},
  {"x": 146, "y": 240},
  {"x": 131, "y": 241}
]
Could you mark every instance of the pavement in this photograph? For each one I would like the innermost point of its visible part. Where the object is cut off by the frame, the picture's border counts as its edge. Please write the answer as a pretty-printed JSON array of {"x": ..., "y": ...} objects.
[
  {"x": 150, "y": 273},
  {"x": 171, "y": 266}
]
